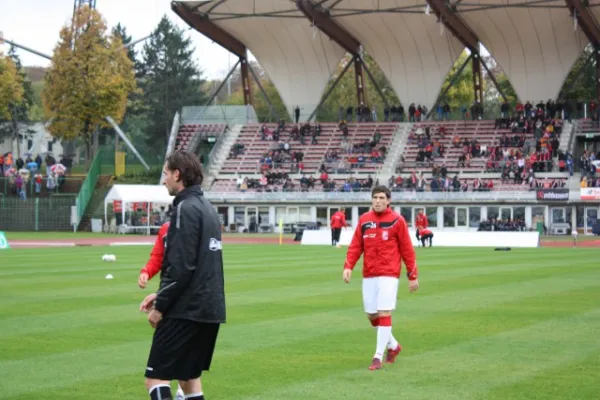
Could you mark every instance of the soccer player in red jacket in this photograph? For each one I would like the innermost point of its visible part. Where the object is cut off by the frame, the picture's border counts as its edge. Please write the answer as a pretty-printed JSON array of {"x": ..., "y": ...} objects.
[
  {"x": 425, "y": 234},
  {"x": 338, "y": 221},
  {"x": 382, "y": 236},
  {"x": 153, "y": 266},
  {"x": 421, "y": 222}
]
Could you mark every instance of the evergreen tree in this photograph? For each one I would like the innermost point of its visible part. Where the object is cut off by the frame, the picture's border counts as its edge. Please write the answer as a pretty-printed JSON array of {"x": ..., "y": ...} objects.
[{"x": 169, "y": 79}]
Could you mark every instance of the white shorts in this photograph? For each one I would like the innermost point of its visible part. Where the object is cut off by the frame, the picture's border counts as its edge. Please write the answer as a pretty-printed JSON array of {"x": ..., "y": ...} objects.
[{"x": 379, "y": 294}]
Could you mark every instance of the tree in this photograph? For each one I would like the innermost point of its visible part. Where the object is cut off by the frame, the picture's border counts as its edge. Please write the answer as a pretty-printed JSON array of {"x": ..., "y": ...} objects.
[
  {"x": 121, "y": 32},
  {"x": 344, "y": 94},
  {"x": 580, "y": 84},
  {"x": 11, "y": 87},
  {"x": 90, "y": 78},
  {"x": 169, "y": 78},
  {"x": 461, "y": 93},
  {"x": 261, "y": 106},
  {"x": 15, "y": 96}
]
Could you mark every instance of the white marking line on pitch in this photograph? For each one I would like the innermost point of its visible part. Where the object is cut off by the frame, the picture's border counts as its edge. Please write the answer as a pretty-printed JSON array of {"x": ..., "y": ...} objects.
[
  {"x": 130, "y": 243},
  {"x": 41, "y": 244}
]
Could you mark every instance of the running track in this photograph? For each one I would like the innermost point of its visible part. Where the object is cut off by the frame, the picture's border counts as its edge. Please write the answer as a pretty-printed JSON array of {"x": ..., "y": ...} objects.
[
  {"x": 131, "y": 241},
  {"x": 147, "y": 241}
]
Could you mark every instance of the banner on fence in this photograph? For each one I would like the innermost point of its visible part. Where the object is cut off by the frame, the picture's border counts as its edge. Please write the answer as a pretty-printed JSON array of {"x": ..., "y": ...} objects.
[
  {"x": 558, "y": 194},
  {"x": 590, "y": 193},
  {"x": 3, "y": 242}
]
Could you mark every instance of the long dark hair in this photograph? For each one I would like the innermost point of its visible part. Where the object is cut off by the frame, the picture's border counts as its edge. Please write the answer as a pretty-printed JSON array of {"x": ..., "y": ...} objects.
[{"x": 188, "y": 165}]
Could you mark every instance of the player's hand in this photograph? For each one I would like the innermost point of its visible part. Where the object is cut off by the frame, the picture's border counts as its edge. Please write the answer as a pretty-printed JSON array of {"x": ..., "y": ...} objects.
[
  {"x": 413, "y": 286},
  {"x": 147, "y": 303},
  {"x": 142, "y": 280},
  {"x": 347, "y": 275},
  {"x": 154, "y": 317}
]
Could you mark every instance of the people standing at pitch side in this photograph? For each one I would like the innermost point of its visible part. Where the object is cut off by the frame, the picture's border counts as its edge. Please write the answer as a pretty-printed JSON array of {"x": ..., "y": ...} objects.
[
  {"x": 189, "y": 306},
  {"x": 424, "y": 235},
  {"x": 382, "y": 236},
  {"x": 338, "y": 221},
  {"x": 421, "y": 222}
]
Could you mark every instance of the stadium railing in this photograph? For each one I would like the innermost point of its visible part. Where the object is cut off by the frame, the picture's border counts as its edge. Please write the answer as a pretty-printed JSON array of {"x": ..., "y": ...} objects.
[
  {"x": 36, "y": 214},
  {"x": 88, "y": 186},
  {"x": 527, "y": 196}
]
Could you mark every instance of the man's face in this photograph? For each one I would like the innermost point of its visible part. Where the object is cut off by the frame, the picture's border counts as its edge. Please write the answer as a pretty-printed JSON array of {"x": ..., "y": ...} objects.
[
  {"x": 380, "y": 202},
  {"x": 171, "y": 181}
]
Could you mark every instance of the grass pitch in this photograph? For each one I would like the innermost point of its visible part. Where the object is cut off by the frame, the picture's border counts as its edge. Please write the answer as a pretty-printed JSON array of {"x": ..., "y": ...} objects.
[{"x": 485, "y": 325}]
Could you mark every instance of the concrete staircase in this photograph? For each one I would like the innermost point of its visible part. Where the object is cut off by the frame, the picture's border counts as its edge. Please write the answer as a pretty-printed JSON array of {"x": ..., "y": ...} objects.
[
  {"x": 394, "y": 152},
  {"x": 568, "y": 131},
  {"x": 219, "y": 154},
  {"x": 100, "y": 192}
]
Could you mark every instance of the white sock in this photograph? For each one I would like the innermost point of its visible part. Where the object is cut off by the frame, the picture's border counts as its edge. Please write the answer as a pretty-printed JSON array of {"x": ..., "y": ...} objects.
[
  {"x": 393, "y": 343},
  {"x": 179, "y": 389},
  {"x": 383, "y": 337}
]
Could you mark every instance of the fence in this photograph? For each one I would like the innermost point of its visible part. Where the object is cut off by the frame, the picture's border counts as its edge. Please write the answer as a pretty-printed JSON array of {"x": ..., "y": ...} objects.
[
  {"x": 223, "y": 114},
  {"x": 37, "y": 214},
  {"x": 132, "y": 165},
  {"x": 68, "y": 184}
]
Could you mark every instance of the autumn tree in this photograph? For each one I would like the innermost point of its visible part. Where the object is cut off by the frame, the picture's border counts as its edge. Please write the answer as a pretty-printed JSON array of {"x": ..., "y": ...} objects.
[
  {"x": 90, "y": 78},
  {"x": 14, "y": 98},
  {"x": 11, "y": 87}
]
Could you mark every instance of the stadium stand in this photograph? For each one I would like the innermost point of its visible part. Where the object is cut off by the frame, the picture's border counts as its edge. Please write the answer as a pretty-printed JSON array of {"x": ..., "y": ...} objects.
[
  {"x": 188, "y": 132},
  {"x": 256, "y": 151},
  {"x": 479, "y": 155}
]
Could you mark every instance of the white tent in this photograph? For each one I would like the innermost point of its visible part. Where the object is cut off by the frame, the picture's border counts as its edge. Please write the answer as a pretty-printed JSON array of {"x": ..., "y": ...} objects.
[{"x": 128, "y": 194}]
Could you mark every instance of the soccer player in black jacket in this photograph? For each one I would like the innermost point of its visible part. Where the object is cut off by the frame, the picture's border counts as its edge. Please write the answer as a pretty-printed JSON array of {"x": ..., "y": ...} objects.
[{"x": 189, "y": 306}]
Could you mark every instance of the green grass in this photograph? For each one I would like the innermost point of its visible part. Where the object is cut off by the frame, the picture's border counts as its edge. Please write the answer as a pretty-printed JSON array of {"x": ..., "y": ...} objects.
[{"x": 485, "y": 325}]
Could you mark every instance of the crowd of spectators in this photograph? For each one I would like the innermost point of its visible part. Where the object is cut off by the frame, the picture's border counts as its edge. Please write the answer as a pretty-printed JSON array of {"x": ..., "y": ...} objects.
[{"x": 506, "y": 225}]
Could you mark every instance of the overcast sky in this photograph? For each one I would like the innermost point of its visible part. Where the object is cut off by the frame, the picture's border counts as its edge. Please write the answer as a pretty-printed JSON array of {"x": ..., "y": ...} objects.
[{"x": 37, "y": 23}]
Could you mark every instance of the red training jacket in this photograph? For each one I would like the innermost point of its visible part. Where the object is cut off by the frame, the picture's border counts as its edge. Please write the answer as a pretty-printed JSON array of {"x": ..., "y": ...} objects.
[
  {"x": 421, "y": 221},
  {"x": 338, "y": 219},
  {"x": 158, "y": 252},
  {"x": 385, "y": 241},
  {"x": 425, "y": 231}
]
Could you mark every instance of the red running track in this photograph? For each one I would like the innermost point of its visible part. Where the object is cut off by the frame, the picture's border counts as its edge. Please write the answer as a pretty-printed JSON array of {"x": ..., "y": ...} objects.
[{"x": 128, "y": 240}]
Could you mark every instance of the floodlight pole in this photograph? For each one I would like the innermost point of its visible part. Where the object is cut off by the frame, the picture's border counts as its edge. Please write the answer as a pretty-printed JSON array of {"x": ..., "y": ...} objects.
[
  {"x": 37, "y": 53},
  {"x": 126, "y": 140},
  {"x": 212, "y": 97},
  {"x": 335, "y": 83}
]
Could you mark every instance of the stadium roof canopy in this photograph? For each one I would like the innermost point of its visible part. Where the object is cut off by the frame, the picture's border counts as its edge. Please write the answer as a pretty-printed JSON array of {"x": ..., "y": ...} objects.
[{"x": 536, "y": 42}]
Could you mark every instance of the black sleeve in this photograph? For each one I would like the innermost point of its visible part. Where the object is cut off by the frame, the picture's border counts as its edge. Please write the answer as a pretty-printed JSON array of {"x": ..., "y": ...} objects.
[{"x": 182, "y": 257}]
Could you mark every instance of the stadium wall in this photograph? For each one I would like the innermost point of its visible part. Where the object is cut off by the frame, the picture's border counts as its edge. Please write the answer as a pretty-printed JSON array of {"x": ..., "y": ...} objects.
[{"x": 441, "y": 239}]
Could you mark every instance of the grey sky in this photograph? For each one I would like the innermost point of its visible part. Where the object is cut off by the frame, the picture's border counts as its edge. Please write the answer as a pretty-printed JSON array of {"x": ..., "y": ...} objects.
[{"x": 37, "y": 23}]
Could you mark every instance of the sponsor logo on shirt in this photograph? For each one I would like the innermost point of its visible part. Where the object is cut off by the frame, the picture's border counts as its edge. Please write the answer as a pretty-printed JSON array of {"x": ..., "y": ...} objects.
[{"x": 214, "y": 245}]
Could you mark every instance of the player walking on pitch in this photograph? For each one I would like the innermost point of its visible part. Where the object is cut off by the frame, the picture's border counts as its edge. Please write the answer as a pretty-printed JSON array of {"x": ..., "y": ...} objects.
[
  {"x": 187, "y": 310},
  {"x": 152, "y": 267},
  {"x": 338, "y": 221},
  {"x": 382, "y": 235}
]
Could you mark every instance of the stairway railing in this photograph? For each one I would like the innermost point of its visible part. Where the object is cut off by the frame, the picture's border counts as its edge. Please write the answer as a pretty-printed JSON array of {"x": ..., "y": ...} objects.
[{"x": 87, "y": 190}]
